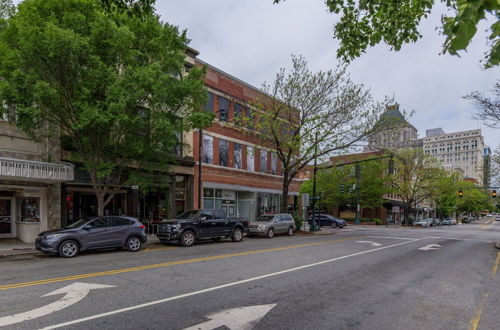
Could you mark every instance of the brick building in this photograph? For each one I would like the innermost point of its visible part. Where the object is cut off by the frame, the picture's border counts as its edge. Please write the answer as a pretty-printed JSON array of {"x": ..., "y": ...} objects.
[{"x": 239, "y": 173}]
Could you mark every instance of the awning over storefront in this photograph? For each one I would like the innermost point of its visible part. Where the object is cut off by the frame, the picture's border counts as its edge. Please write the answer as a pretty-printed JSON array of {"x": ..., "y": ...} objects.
[
  {"x": 245, "y": 188},
  {"x": 26, "y": 170}
]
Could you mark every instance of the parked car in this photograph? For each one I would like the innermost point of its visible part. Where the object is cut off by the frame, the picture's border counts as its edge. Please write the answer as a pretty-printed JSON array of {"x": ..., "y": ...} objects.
[
  {"x": 93, "y": 233},
  {"x": 446, "y": 222},
  {"x": 328, "y": 220},
  {"x": 497, "y": 218},
  {"x": 424, "y": 222},
  {"x": 203, "y": 224},
  {"x": 270, "y": 224}
]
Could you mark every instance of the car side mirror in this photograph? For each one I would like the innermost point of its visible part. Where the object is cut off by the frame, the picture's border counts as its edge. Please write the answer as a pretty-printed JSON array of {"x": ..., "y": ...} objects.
[
  {"x": 203, "y": 219},
  {"x": 87, "y": 227}
]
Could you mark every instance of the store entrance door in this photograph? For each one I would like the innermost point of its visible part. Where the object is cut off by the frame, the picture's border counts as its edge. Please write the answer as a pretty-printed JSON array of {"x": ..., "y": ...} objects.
[
  {"x": 6, "y": 223},
  {"x": 230, "y": 209}
]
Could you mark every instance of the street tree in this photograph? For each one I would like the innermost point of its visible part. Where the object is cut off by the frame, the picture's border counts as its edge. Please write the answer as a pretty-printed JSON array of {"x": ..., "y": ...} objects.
[
  {"x": 415, "y": 177},
  {"x": 474, "y": 199},
  {"x": 488, "y": 109},
  {"x": 445, "y": 196},
  {"x": 112, "y": 84},
  {"x": 336, "y": 185},
  {"x": 305, "y": 115},
  {"x": 7, "y": 9},
  {"x": 366, "y": 23}
]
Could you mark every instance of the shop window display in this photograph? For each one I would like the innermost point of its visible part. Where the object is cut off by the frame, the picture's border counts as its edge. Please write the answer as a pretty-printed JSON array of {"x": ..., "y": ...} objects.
[{"x": 29, "y": 209}]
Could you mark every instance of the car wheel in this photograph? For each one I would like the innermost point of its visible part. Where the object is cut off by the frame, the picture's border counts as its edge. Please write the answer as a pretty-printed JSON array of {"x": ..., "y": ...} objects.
[
  {"x": 134, "y": 244},
  {"x": 187, "y": 238},
  {"x": 290, "y": 231},
  {"x": 237, "y": 235},
  {"x": 69, "y": 249},
  {"x": 270, "y": 233}
]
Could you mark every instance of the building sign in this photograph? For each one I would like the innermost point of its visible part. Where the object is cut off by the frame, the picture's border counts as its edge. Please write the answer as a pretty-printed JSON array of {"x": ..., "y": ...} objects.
[{"x": 24, "y": 169}]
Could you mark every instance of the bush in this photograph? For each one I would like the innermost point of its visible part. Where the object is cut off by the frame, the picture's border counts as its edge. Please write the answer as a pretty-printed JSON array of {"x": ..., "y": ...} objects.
[{"x": 298, "y": 221}]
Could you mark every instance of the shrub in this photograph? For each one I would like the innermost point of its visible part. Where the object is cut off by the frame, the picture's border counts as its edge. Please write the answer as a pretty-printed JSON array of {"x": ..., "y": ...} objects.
[{"x": 298, "y": 221}]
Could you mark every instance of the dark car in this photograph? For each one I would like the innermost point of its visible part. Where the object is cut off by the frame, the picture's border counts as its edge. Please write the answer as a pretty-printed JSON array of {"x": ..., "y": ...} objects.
[
  {"x": 328, "y": 220},
  {"x": 93, "y": 233},
  {"x": 195, "y": 225}
]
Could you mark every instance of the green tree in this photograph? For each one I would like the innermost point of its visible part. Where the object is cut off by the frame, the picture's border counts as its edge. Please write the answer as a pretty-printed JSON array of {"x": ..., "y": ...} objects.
[
  {"x": 366, "y": 23},
  {"x": 336, "y": 184},
  {"x": 113, "y": 84},
  {"x": 7, "y": 9},
  {"x": 474, "y": 199},
  {"x": 305, "y": 114},
  {"x": 415, "y": 178},
  {"x": 446, "y": 192}
]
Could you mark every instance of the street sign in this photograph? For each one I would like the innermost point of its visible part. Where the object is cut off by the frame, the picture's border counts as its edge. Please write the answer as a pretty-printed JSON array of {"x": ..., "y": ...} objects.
[{"x": 305, "y": 199}]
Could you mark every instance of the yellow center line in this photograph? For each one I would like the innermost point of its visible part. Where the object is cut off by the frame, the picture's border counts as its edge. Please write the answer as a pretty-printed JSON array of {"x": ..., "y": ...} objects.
[
  {"x": 475, "y": 320},
  {"x": 166, "y": 264},
  {"x": 495, "y": 266}
]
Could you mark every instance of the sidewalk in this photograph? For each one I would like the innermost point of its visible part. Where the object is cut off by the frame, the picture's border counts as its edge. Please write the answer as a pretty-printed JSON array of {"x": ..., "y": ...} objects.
[{"x": 14, "y": 247}]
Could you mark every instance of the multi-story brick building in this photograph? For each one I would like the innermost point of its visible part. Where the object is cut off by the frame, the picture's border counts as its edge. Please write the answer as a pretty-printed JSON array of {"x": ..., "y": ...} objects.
[
  {"x": 239, "y": 173},
  {"x": 459, "y": 150}
]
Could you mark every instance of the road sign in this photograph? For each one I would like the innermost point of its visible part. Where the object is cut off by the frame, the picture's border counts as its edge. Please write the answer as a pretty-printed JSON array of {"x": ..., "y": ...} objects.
[{"x": 305, "y": 199}]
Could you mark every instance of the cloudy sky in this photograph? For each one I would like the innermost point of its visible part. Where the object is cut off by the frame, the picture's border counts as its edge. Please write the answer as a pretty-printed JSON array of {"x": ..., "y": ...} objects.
[{"x": 252, "y": 39}]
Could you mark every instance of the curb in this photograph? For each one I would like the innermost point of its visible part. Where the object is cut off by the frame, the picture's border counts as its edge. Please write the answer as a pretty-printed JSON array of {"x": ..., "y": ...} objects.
[{"x": 20, "y": 252}]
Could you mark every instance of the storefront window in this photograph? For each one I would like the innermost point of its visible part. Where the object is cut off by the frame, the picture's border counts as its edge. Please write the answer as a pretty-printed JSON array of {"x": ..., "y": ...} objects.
[
  {"x": 274, "y": 163},
  {"x": 180, "y": 194},
  {"x": 29, "y": 209}
]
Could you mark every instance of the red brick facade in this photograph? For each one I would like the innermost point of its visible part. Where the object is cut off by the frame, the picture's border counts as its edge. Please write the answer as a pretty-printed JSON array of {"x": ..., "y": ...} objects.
[{"x": 228, "y": 177}]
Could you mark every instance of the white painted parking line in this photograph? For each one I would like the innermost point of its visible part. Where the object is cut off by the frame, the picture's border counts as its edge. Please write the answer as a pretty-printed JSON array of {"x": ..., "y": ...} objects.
[
  {"x": 156, "y": 302},
  {"x": 430, "y": 247},
  {"x": 369, "y": 242}
]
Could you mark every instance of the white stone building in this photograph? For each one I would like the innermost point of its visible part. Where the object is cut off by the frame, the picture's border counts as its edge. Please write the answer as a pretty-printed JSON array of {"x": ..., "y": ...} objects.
[{"x": 459, "y": 150}]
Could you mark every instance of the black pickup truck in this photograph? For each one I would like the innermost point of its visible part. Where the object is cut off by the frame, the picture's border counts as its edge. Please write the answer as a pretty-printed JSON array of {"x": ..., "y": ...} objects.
[{"x": 195, "y": 225}]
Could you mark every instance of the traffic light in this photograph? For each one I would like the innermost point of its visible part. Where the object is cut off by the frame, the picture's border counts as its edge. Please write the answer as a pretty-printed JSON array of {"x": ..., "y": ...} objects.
[
  {"x": 460, "y": 193},
  {"x": 494, "y": 194}
]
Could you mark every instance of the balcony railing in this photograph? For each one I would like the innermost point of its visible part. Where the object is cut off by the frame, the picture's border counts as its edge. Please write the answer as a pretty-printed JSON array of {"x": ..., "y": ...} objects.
[{"x": 35, "y": 171}]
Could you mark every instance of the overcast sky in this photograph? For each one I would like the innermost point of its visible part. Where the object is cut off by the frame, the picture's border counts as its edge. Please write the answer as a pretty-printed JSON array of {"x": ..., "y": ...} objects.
[{"x": 252, "y": 39}]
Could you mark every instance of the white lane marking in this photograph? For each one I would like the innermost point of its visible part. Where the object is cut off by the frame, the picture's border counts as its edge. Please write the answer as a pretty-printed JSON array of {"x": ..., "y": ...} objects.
[
  {"x": 156, "y": 302},
  {"x": 430, "y": 247},
  {"x": 402, "y": 238},
  {"x": 368, "y": 242},
  {"x": 73, "y": 294},
  {"x": 243, "y": 318}
]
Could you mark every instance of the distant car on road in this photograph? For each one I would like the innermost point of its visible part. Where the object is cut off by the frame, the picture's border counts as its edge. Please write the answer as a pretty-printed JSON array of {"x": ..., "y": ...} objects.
[
  {"x": 93, "y": 233},
  {"x": 328, "y": 220},
  {"x": 424, "y": 222},
  {"x": 270, "y": 224},
  {"x": 447, "y": 222}
]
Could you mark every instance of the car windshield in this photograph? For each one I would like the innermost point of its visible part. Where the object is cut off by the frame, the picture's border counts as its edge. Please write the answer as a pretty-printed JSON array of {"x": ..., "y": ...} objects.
[
  {"x": 265, "y": 218},
  {"x": 191, "y": 214},
  {"x": 78, "y": 223}
]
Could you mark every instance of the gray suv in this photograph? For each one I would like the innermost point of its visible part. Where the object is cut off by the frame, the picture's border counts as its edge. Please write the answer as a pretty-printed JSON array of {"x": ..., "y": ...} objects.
[
  {"x": 93, "y": 233},
  {"x": 270, "y": 224}
]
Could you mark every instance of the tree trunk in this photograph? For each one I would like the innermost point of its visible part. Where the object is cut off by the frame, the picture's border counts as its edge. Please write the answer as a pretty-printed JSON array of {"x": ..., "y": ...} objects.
[
  {"x": 100, "y": 203},
  {"x": 284, "y": 199}
]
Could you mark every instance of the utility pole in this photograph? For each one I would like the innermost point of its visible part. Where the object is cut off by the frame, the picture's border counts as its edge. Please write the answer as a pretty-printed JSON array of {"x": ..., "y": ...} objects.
[
  {"x": 357, "y": 171},
  {"x": 200, "y": 153},
  {"x": 313, "y": 223}
]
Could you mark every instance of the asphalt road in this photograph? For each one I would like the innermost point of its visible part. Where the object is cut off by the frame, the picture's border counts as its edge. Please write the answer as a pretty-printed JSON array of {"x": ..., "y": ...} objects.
[{"x": 356, "y": 278}]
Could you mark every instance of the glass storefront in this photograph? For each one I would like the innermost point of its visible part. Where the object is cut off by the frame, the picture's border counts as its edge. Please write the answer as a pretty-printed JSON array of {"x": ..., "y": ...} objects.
[
  {"x": 242, "y": 204},
  {"x": 29, "y": 209}
]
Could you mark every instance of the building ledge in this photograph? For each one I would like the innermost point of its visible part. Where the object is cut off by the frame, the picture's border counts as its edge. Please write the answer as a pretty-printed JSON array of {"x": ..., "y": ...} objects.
[{"x": 26, "y": 170}]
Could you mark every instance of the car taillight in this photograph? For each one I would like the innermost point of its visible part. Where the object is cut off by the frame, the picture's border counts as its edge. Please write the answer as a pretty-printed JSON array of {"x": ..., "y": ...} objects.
[{"x": 142, "y": 226}]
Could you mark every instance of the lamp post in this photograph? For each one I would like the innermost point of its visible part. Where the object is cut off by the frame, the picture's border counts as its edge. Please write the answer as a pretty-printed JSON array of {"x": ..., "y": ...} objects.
[
  {"x": 357, "y": 171},
  {"x": 313, "y": 223}
]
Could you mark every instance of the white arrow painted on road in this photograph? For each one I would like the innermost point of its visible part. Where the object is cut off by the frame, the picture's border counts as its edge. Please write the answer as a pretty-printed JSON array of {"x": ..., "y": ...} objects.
[
  {"x": 243, "y": 318},
  {"x": 73, "y": 294},
  {"x": 369, "y": 242},
  {"x": 430, "y": 247}
]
